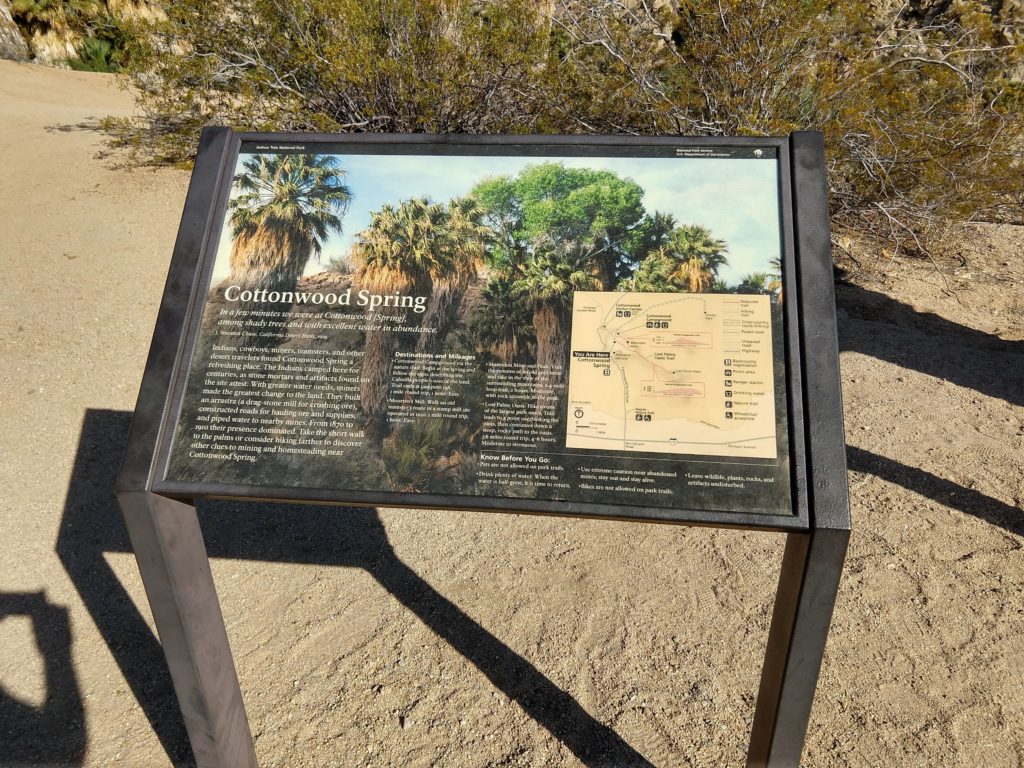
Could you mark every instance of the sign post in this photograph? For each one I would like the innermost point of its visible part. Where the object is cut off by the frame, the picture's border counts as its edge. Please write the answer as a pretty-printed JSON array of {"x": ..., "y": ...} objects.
[{"x": 581, "y": 326}]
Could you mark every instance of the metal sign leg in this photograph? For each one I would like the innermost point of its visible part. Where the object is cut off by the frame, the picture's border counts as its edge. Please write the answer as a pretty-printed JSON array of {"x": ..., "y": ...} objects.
[
  {"x": 175, "y": 570},
  {"x": 808, "y": 584}
]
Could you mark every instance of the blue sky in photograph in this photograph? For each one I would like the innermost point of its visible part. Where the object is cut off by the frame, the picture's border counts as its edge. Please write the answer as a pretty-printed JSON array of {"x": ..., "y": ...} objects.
[{"x": 737, "y": 199}]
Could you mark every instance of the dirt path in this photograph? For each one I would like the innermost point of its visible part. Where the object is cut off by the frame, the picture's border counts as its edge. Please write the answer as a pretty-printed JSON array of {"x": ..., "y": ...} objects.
[{"x": 409, "y": 638}]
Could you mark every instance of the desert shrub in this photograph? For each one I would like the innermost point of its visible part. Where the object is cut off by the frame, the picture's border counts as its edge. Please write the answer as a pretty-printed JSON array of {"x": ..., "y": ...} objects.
[
  {"x": 340, "y": 65},
  {"x": 922, "y": 121},
  {"x": 341, "y": 264}
]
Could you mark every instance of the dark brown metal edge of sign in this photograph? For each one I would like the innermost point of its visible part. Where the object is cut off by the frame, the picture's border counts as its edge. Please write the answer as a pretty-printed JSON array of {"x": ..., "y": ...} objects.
[
  {"x": 193, "y": 263},
  {"x": 812, "y": 563},
  {"x": 466, "y": 503},
  {"x": 828, "y": 490},
  {"x": 164, "y": 533},
  {"x": 513, "y": 139},
  {"x": 190, "y": 249},
  {"x": 792, "y": 357}
]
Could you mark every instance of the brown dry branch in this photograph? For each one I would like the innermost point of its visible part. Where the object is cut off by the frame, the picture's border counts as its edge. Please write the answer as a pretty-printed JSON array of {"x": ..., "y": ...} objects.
[{"x": 923, "y": 121}]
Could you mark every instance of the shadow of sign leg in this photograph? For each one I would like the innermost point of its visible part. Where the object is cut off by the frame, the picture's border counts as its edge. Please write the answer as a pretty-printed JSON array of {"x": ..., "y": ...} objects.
[
  {"x": 175, "y": 570},
  {"x": 91, "y": 526},
  {"x": 592, "y": 742},
  {"x": 808, "y": 584}
]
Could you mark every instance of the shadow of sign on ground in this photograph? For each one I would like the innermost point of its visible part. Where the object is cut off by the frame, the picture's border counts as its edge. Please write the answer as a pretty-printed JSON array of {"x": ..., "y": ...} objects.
[
  {"x": 304, "y": 534},
  {"x": 929, "y": 344},
  {"x": 293, "y": 534},
  {"x": 92, "y": 525},
  {"x": 936, "y": 488}
]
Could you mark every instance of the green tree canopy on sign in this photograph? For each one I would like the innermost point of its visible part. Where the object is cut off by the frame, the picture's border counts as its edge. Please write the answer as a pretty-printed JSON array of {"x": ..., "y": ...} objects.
[
  {"x": 595, "y": 215},
  {"x": 557, "y": 230}
]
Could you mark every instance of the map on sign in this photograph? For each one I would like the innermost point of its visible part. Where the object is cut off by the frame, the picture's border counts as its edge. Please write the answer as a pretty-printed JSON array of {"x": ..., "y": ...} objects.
[{"x": 672, "y": 373}]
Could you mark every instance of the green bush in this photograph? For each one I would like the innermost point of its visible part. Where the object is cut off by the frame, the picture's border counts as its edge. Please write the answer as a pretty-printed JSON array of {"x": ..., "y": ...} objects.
[
  {"x": 95, "y": 55},
  {"x": 922, "y": 123}
]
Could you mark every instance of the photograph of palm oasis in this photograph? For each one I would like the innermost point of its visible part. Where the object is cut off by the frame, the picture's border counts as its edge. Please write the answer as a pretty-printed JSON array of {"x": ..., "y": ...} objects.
[{"x": 564, "y": 327}]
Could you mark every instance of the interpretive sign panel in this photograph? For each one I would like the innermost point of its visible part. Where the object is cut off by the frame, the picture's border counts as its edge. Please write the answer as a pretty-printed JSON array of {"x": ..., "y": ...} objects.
[
  {"x": 462, "y": 324},
  {"x": 581, "y": 326}
]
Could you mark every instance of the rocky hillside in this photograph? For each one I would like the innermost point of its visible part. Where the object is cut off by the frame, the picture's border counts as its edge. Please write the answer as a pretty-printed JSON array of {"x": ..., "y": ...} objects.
[
  {"x": 54, "y": 33},
  {"x": 12, "y": 44}
]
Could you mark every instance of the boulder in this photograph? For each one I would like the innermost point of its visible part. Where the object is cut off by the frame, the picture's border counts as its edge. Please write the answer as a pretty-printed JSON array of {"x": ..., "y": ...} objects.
[{"x": 54, "y": 46}]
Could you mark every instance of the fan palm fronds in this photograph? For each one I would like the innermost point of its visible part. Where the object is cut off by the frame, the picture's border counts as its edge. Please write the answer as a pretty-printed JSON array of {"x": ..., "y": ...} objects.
[{"x": 287, "y": 206}]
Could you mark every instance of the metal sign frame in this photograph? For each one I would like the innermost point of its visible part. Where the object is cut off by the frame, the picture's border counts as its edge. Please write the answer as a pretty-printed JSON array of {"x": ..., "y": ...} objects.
[
  {"x": 201, "y": 267},
  {"x": 167, "y": 540}
]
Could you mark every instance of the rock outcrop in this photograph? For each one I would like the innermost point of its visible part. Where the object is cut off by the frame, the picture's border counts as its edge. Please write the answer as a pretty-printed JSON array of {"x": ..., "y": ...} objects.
[
  {"x": 57, "y": 37},
  {"x": 53, "y": 46},
  {"x": 12, "y": 44}
]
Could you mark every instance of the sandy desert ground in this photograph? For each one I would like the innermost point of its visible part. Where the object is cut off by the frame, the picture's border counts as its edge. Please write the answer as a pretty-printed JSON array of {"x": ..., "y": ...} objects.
[{"x": 411, "y": 638}]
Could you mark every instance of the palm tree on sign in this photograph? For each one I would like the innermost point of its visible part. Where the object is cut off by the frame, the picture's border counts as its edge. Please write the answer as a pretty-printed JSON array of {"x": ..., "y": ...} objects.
[
  {"x": 551, "y": 274},
  {"x": 775, "y": 278},
  {"x": 657, "y": 273},
  {"x": 688, "y": 259},
  {"x": 502, "y": 325},
  {"x": 695, "y": 275},
  {"x": 700, "y": 256},
  {"x": 756, "y": 282},
  {"x": 401, "y": 252},
  {"x": 287, "y": 206},
  {"x": 464, "y": 236}
]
